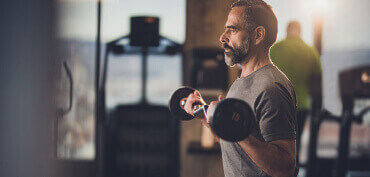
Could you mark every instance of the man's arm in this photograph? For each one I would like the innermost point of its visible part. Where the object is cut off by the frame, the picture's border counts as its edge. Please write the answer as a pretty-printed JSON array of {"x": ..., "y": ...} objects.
[
  {"x": 276, "y": 158},
  {"x": 276, "y": 155}
]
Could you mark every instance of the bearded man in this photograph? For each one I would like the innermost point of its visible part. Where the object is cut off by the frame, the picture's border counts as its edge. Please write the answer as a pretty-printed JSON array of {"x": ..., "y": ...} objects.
[{"x": 270, "y": 149}]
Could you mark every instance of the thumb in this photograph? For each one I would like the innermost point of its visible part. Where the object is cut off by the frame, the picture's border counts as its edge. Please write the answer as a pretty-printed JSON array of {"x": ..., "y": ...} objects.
[
  {"x": 220, "y": 97},
  {"x": 196, "y": 93}
]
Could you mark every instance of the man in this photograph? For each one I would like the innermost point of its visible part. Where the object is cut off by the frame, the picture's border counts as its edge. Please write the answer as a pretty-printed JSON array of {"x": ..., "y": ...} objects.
[
  {"x": 301, "y": 64},
  {"x": 270, "y": 150}
]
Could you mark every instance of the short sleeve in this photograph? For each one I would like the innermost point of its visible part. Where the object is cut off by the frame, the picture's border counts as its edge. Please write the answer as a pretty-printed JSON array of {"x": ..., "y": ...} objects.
[{"x": 276, "y": 113}]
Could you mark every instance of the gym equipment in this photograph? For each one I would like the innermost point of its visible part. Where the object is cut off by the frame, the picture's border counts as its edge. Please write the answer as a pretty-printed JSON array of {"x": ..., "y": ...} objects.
[
  {"x": 354, "y": 84},
  {"x": 232, "y": 119},
  {"x": 178, "y": 101},
  {"x": 144, "y": 31},
  {"x": 142, "y": 139}
]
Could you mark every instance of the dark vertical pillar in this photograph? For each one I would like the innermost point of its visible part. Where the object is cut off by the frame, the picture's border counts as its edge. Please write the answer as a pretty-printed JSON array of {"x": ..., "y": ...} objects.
[
  {"x": 144, "y": 74},
  {"x": 100, "y": 100},
  {"x": 26, "y": 86}
]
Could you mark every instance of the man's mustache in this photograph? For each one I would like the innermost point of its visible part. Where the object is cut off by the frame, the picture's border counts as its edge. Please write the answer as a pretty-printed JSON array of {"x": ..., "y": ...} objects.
[{"x": 225, "y": 46}]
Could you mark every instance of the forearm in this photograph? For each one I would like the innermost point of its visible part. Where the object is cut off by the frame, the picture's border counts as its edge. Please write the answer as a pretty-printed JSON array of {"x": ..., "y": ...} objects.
[
  {"x": 206, "y": 125},
  {"x": 271, "y": 158}
]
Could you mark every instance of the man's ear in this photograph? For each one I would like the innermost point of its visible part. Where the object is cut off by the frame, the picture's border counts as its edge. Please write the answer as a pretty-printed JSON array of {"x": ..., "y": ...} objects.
[{"x": 259, "y": 34}]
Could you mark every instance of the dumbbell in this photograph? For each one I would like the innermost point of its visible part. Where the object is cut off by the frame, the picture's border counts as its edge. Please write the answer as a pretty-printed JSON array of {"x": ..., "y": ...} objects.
[{"x": 231, "y": 119}]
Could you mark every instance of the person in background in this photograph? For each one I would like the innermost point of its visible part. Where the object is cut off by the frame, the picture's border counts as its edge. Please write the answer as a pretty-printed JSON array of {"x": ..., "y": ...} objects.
[{"x": 300, "y": 63}]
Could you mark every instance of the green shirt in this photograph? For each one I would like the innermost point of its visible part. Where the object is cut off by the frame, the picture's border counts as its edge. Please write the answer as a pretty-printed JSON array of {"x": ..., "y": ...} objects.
[{"x": 298, "y": 61}]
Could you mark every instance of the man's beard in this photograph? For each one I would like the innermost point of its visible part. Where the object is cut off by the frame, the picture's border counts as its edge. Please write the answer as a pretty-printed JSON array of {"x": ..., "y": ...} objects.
[{"x": 237, "y": 55}]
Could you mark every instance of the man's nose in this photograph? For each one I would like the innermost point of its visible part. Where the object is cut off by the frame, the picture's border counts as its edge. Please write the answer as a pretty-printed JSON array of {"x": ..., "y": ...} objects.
[{"x": 223, "y": 38}]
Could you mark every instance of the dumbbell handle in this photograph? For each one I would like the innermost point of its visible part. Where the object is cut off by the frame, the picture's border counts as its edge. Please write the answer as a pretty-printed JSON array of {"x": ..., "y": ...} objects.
[{"x": 200, "y": 111}]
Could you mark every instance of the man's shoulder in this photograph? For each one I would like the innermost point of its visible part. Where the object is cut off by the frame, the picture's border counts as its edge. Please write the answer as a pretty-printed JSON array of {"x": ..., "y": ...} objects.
[
  {"x": 275, "y": 82},
  {"x": 269, "y": 76},
  {"x": 262, "y": 78},
  {"x": 277, "y": 90},
  {"x": 268, "y": 80}
]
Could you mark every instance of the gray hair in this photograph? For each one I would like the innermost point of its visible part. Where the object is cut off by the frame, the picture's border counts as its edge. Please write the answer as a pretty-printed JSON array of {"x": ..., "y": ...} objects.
[{"x": 259, "y": 13}]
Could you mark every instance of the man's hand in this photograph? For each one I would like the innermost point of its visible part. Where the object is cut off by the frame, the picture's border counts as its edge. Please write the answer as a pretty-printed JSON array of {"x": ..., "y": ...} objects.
[
  {"x": 193, "y": 98},
  {"x": 196, "y": 98},
  {"x": 205, "y": 122},
  {"x": 211, "y": 106}
]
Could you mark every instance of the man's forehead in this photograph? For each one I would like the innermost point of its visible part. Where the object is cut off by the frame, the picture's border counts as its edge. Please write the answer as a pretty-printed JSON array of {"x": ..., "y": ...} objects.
[{"x": 236, "y": 16}]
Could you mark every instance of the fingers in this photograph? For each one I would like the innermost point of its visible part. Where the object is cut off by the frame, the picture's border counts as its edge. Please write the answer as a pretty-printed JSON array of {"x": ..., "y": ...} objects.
[
  {"x": 199, "y": 96},
  {"x": 197, "y": 93},
  {"x": 193, "y": 98},
  {"x": 189, "y": 104}
]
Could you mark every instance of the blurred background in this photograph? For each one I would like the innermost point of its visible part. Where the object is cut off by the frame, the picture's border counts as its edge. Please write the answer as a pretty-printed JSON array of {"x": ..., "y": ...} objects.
[{"x": 83, "y": 95}]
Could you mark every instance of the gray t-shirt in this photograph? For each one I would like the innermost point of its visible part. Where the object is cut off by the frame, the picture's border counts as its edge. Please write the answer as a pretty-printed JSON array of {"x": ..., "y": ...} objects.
[{"x": 271, "y": 96}]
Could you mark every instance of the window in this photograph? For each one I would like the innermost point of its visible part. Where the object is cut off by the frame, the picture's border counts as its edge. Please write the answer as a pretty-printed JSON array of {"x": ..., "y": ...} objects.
[
  {"x": 76, "y": 33},
  {"x": 164, "y": 72}
]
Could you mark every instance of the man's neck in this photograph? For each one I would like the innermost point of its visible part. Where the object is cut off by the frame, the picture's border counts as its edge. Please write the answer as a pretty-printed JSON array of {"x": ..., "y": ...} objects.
[{"x": 254, "y": 62}]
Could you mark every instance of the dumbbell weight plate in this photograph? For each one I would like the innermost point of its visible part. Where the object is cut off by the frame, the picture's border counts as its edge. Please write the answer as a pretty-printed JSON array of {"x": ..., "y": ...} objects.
[
  {"x": 175, "y": 103},
  {"x": 232, "y": 119}
]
